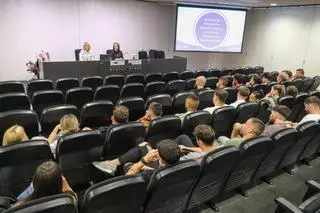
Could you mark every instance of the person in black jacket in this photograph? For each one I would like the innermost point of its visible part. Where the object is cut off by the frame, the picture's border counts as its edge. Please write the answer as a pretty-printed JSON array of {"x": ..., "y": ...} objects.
[{"x": 116, "y": 52}]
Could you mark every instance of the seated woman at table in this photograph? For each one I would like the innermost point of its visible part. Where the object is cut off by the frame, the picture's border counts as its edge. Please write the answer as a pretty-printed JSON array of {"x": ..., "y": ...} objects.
[
  {"x": 116, "y": 52},
  {"x": 86, "y": 53}
]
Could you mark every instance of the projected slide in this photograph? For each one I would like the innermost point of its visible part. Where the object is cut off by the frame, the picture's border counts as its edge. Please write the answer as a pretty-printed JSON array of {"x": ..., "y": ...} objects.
[{"x": 209, "y": 29}]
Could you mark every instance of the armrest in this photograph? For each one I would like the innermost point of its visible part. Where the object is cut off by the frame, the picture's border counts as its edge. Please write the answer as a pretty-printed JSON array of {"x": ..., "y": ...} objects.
[
  {"x": 313, "y": 188},
  {"x": 285, "y": 206}
]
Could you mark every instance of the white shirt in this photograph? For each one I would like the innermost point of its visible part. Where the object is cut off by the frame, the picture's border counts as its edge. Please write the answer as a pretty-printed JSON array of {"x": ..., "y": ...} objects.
[
  {"x": 212, "y": 109},
  {"x": 237, "y": 103},
  {"x": 310, "y": 117},
  {"x": 86, "y": 55}
]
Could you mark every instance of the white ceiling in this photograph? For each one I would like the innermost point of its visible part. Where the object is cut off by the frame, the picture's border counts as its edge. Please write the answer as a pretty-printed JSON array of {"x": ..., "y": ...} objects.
[{"x": 242, "y": 3}]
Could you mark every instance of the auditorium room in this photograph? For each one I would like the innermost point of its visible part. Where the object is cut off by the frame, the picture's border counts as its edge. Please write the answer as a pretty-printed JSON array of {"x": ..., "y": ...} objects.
[{"x": 160, "y": 106}]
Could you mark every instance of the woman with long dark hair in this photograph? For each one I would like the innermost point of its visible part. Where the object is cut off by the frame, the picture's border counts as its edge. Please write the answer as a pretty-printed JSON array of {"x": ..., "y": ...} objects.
[{"x": 116, "y": 52}]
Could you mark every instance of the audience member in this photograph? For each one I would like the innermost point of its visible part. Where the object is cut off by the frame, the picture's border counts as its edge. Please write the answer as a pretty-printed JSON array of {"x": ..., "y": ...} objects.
[
  {"x": 241, "y": 132},
  {"x": 200, "y": 84},
  {"x": 86, "y": 53},
  {"x": 219, "y": 99},
  {"x": 299, "y": 74},
  {"x": 312, "y": 106},
  {"x": 266, "y": 78},
  {"x": 116, "y": 52},
  {"x": 289, "y": 74},
  {"x": 191, "y": 105},
  {"x": 292, "y": 91},
  {"x": 237, "y": 80},
  {"x": 47, "y": 181},
  {"x": 223, "y": 82},
  {"x": 120, "y": 115},
  {"x": 154, "y": 111},
  {"x": 277, "y": 120},
  {"x": 282, "y": 77},
  {"x": 242, "y": 96},
  {"x": 255, "y": 80},
  {"x": 14, "y": 134},
  {"x": 277, "y": 91},
  {"x": 256, "y": 96}
]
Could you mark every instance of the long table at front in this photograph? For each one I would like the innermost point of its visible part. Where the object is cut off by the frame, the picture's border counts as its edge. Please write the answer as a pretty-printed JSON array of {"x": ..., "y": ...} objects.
[{"x": 80, "y": 69}]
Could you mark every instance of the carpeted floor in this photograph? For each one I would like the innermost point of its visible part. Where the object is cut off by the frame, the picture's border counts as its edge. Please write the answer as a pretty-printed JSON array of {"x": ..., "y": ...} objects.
[{"x": 261, "y": 197}]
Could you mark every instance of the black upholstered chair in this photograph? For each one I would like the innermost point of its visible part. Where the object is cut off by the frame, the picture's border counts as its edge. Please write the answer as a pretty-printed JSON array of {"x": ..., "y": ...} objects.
[
  {"x": 246, "y": 111},
  {"x": 154, "y": 87},
  {"x": 163, "y": 99},
  {"x": 64, "y": 84},
  {"x": 92, "y": 81},
  {"x": 46, "y": 98},
  {"x": 194, "y": 119},
  {"x": 107, "y": 92},
  {"x": 212, "y": 82},
  {"x": 264, "y": 112},
  {"x": 11, "y": 86},
  {"x": 201, "y": 72},
  {"x": 135, "y": 105},
  {"x": 297, "y": 107},
  {"x": 121, "y": 138},
  {"x": 170, "y": 76},
  {"x": 14, "y": 101},
  {"x": 186, "y": 75},
  {"x": 38, "y": 85},
  {"x": 175, "y": 86},
  {"x": 107, "y": 196},
  {"x": 214, "y": 73},
  {"x": 96, "y": 114},
  {"x": 114, "y": 80},
  {"x": 286, "y": 101},
  {"x": 307, "y": 84},
  {"x": 232, "y": 95},
  {"x": 206, "y": 98},
  {"x": 79, "y": 96},
  {"x": 153, "y": 77},
  {"x": 178, "y": 102},
  {"x": 135, "y": 78},
  {"x": 190, "y": 84},
  {"x": 223, "y": 120},
  {"x": 132, "y": 90},
  {"x": 298, "y": 83},
  {"x": 310, "y": 149}
]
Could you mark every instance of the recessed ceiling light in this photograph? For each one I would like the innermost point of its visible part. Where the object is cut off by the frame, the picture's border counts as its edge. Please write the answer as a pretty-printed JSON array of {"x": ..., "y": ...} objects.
[{"x": 273, "y": 4}]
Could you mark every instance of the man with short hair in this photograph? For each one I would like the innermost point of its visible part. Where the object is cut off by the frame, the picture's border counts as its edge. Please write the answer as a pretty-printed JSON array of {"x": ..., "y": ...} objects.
[
  {"x": 266, "y": 78},
  {"x": 277, "y": 120},
  {"x": 219, "y": 99},
  {"x": 222, "y": 83},
  {"x": 312, "y": 106},
  {"x": 292, "y": 91},
  {"x": 191, "y": 105},
  {"x": 154, "y": 111},
  {"x": 242, "y": 96},
  {"x": 241, "y": 132},
  {"x": 120, "y": 114},
  {"x": 299, "y": 73}
]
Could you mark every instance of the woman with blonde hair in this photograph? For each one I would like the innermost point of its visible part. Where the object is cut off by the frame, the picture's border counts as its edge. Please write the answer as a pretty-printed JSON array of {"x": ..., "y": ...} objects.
[
  {"x": 68, "y": 124},
  {"x": 86, "y": 53},
  {"x": 14, "y": 134}
]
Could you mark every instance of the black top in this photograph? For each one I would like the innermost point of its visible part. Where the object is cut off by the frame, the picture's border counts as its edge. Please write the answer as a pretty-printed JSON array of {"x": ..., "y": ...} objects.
[{"x": 115, "y": 55}]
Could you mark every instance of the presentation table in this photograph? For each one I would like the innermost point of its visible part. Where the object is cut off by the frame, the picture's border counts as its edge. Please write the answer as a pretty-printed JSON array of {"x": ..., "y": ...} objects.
[{"x": 79, "y": 69}]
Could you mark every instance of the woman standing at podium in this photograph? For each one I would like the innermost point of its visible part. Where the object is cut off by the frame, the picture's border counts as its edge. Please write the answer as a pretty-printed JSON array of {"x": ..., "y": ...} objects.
[
  {"x": 116, "y": 52},
  {"x": 86, "y": 53}
]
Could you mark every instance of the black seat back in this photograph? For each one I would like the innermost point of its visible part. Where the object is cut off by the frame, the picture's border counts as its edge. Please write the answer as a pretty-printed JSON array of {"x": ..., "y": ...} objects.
[
  {"x": 316, "y": 83},
  {"x": 215, "y": 167},
  {"x": 298, "y": 83},
  {"x": 264, "y": 112},
  {"x": 315, "y": 93},
  {"x": 252, "y": 152},
  {"x": 79, "y": 96},
  {"x": 96, "y": 114},
  {"x": 186, "y": 75},
  {"x": 176, "y": 181},
  {"x": 170, "y": 76},
  {"x": 38, "y": 85},
  {"x": 259, "y": 87},
  {"x": 307, "y": 131},
  {"x": 311, "y": 148},
  {"x": 311, "y": 205},
  {"x": 121, "y": 138},
  {"x": 135, "y": 105},
  {"x": 246, "y": 111},
  {"x": 93, "y": 82},
  {"x": 64, "y": 84},
  {"x": 205, "y": 98},
  {"x": 51, "y": 116},
  {"x": 178, "y": 102},
  {"x": 223, "y": 120},
  {"x": 214, "y": 73},
  {"x": 259, "y": 70},
  {"x": 26, "y": 118},
  {"x": 166, "y": 127},
  {"x": 153, "y": 77},
  {"x": 60, "y": 203},
  {"x": 154, "y": 87},
  {"x": 11, "y": 86},
  {"x": 135, "y": 78},
  {"x": 190, "y": 84},
  {"x": 142, "y": 55},
  {"x": 107, "y": 92},
  {"x": 46, "y": 98},
  {"x": 114, "y": 80},
  {"x": 232, "y": 95},
  {"x": 14, "y": 101},
  {"x": 201, "y": 72},
  {"x": 18, "y": 163},
  {"x": 175, "y": 86},
  {"x": 107, "y": 196},
  {"x": 212, "y": 82},
  {"x": 75, "y": 152},
  {"x": 194, "y": 119},
  {"x": 132, "y": 90},
  {"x": 163, "y": 99},
  {"x": 307, "y": 84},
  {"x": 282, "y": 141},
  {"x": 297, "y": 107},
  {"x": 286, "y": 101}
]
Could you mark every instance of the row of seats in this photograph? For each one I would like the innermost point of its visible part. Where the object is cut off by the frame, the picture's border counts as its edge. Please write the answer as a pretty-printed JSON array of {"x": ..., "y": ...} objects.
[{"x": 220, "y": 172}]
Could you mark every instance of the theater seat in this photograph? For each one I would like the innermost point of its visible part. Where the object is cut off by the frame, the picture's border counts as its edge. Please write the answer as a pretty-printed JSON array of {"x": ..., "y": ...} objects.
[
  {"x": 108, "y": 195},
  {"x": 311, "y": 148},
  {"x": 286, "y": 101},
  {"x": 215, "y": 167},
  {"x": 163, "y": 99},
  {"x": 264, "y": 112},
  {"x": 96, "y": 114},
  {"x": 214, "y": 73},
  {"x": 153, "y": 77},
  {"x": 18, "y": 163},
  {"x": 307, "y": 84},
  {"x": 132, "y": 90},
  {"x": 155, "y": 87},
  {"x": 75, "y": 152},
  {"x": 232, "y": 95},
  {"x": 297, "y": 107},
  {"x": 170, "y": 76},
  {"x": 223, "y": 120},
  {"x": 46, "y": 98},
  {"x": 38, "y": 85},
  {"x": 186, "y": 75},
  {"x": 135, "y": 105},
  {"x": 11, "y": 86},
  {"x": 121, "y": 138},
  {"x": 259, "y": 87},
  {"x": 166, "y": 127},
  {"x": 246, "y": 111},
  {"x": 135, "y": 78},
  {"x": 114, "y": 80},
  {"x": 212, "y": 82},
  {"x": 51, "y": 116},
  {"x": 190, "y": 84},
  {"x": 60, "y": 203},
  {"x": 164, "y": 194},
  {"x": 175, "y": 86},
  {"x": 64, "y": 84},
  {"x": 298, "y": 83},
  {"x": 25, "y": 118},
  {"x": 79, "y": 96},
  {"x": 108, "y": 93},
  {"x": 252, "y": 152},
  {"x": 205, "y": 98},
  {"x": 14, "y": 101},
  {"x": 92, "y": 81},
  {"x": 201, "y": 72}
]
